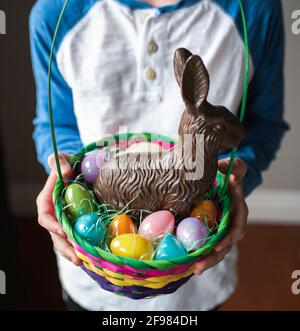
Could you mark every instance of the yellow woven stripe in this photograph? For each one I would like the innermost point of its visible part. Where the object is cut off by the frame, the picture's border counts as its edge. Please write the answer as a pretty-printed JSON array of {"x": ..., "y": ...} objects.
[{"x": 125, "y": 280}]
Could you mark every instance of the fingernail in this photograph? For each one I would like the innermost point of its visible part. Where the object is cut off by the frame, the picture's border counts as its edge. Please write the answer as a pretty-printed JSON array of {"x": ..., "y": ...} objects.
[
  {"x": 64, "y": 168},
  {"x": 75, "y": 261},
  {"x": 198, "y": 272},
  {"x": 60, "y": 232}
]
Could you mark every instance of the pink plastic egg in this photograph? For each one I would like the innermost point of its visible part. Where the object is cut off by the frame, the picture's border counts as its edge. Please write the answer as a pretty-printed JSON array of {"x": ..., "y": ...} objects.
[{"x": 157, "y": 224}]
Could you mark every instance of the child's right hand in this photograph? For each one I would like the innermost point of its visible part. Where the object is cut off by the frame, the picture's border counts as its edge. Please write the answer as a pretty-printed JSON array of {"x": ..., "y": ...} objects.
[{"x": 46, "y": 214}]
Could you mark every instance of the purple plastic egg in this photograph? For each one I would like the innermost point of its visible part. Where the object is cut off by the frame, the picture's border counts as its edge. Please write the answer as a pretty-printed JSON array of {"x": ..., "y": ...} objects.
[
  {"x": 91, "y": 164},
  {"x": 192, "y": 233}
]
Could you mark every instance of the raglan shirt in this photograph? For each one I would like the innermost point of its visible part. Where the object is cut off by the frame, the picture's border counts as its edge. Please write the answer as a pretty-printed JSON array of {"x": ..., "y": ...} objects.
[{"x": 113, "y": 69}]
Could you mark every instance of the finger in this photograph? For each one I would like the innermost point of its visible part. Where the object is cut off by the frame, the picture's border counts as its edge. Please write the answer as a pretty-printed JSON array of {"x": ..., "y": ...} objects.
[
  {"x": 46, "y": 193},
  {"x": 218, "y": 257},
  {"x": 66, "y": 169},
  {"x": 230, "y": 240},
  {"x": 223, "y": 165},
  {"x": 65, "y": 249},
  {"x": 238, "y": 172},
  {"x": 50, "y": 223},
  {"x": 44, "y": 200},
  {"x": 211, "y": 260},
  {"x": 237, "y": 227},
  {"x": 45, "y": 207}
]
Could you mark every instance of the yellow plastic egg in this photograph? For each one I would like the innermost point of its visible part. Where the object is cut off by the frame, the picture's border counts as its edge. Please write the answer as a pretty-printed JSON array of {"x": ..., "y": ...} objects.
[
  {"x": 120, "y": 225},
  {"x": 133, "y": 246}
]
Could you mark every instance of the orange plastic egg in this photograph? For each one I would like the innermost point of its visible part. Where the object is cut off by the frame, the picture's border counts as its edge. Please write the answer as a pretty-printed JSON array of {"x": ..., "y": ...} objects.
[
  {"x": 206, "y": 211},
  {"x": 120, "y": 225}
]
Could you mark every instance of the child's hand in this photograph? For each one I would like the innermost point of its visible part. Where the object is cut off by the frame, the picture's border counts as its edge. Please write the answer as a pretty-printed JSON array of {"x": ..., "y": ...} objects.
[
  {"x": 238, "y": 217},
  {"x": 46, "y": 215}
]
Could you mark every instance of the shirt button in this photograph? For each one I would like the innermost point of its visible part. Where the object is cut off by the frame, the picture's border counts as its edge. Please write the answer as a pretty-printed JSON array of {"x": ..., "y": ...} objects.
[
  {"x": 150, "y": 74},
  {"x": 152, "y": 47}
]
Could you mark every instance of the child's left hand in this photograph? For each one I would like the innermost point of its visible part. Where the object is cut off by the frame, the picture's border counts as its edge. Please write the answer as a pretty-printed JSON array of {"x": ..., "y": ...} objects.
[{"x": 238, "y": 217}]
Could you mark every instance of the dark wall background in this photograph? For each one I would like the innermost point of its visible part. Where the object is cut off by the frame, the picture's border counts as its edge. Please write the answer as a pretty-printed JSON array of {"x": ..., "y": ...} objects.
[
  {"x": 16, "y": 147},
  {"x": 17, "y": 96}
]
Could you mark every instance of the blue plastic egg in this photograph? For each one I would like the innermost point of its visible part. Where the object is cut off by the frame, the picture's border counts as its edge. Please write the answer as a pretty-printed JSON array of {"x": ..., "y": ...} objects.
[
  {"x": 169, "y": 248},
  {"x": 90, "y": 228}
]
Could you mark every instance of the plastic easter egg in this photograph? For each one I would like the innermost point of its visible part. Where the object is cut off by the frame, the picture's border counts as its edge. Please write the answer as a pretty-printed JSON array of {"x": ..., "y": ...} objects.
[
  {"x": 206, "y": 211},
  {"x": 169, "y": 248},
  {"x": 192, "y": 233},
  {"x": 133, "y": 246},
  {"x": 79, "y": 201},
  {"x": 120, "y": 225},
  {"x": 91, "y": 164},
  {"x": 90, "y": 228},
  {"x": 157, "y": 224}
]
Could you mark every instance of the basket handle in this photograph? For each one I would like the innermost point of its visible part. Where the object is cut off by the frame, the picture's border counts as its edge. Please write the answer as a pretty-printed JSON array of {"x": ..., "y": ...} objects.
[
  {"x": 54, "y": 144},
  {"x": 243, "y": 107},
  {"x": 244, "y": 99}
]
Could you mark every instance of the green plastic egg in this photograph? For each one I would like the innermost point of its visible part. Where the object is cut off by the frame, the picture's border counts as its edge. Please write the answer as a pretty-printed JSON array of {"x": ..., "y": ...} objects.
[{"x": 79, "y": 201}]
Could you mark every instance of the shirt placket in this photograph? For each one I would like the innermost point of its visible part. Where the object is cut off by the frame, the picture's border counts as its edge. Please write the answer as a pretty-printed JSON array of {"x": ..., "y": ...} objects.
[{"x": 150, "y": 63}]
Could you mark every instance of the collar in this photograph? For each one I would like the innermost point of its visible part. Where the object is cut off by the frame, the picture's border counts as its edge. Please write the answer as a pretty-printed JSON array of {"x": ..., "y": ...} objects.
[{"x": 137, "y": 4}]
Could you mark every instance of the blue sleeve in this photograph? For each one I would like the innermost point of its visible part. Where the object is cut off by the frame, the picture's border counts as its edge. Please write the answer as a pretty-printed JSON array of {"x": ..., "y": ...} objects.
[
  {"x": 265, "y": 108},
  {"x": 43, "y": 17}
]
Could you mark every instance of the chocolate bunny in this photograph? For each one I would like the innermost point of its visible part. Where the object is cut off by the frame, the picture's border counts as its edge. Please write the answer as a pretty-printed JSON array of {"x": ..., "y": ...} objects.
[{"x": 167, "y": 180}]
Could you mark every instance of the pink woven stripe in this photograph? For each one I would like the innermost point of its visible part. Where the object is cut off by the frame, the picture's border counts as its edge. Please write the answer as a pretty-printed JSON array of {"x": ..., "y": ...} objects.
[
  {"x": 127, "y": 270},
  {"x": 125, "y": 143},
  {"x": 163, "y": 144}
]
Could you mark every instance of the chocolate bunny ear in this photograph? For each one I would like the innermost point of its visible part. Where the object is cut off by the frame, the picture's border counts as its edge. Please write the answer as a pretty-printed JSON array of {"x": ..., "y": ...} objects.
[
  {"x": 180, "y": 58},
  {"x": 194, "y": 83}
]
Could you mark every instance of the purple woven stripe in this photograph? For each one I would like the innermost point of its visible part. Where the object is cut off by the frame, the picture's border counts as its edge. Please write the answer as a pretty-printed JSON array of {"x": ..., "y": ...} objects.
[{"x": 135, "y": 292}]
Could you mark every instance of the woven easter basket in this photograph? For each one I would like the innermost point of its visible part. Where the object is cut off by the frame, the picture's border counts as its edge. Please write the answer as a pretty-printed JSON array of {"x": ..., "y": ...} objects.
[{"x": 138, "y": 279}]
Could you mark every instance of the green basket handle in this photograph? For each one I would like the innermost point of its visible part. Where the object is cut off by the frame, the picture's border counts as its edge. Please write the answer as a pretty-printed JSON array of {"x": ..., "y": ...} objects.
[
  {"x": 243, "y": 107},
  {"x": 244, "y": 99}
]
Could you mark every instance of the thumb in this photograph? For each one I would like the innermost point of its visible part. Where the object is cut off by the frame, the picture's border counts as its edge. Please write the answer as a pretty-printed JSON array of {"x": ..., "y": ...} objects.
[{"x": 66, "y": 169}]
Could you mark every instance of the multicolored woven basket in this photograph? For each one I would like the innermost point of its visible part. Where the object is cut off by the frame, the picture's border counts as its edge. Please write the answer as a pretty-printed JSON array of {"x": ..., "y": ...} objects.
[
  {"x": 138, "y": 279},
  {"x": 132, "y": 278}
]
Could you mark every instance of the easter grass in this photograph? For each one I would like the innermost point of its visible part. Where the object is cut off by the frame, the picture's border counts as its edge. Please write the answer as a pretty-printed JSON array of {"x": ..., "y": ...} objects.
[{"x": 107, "y": 213}]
